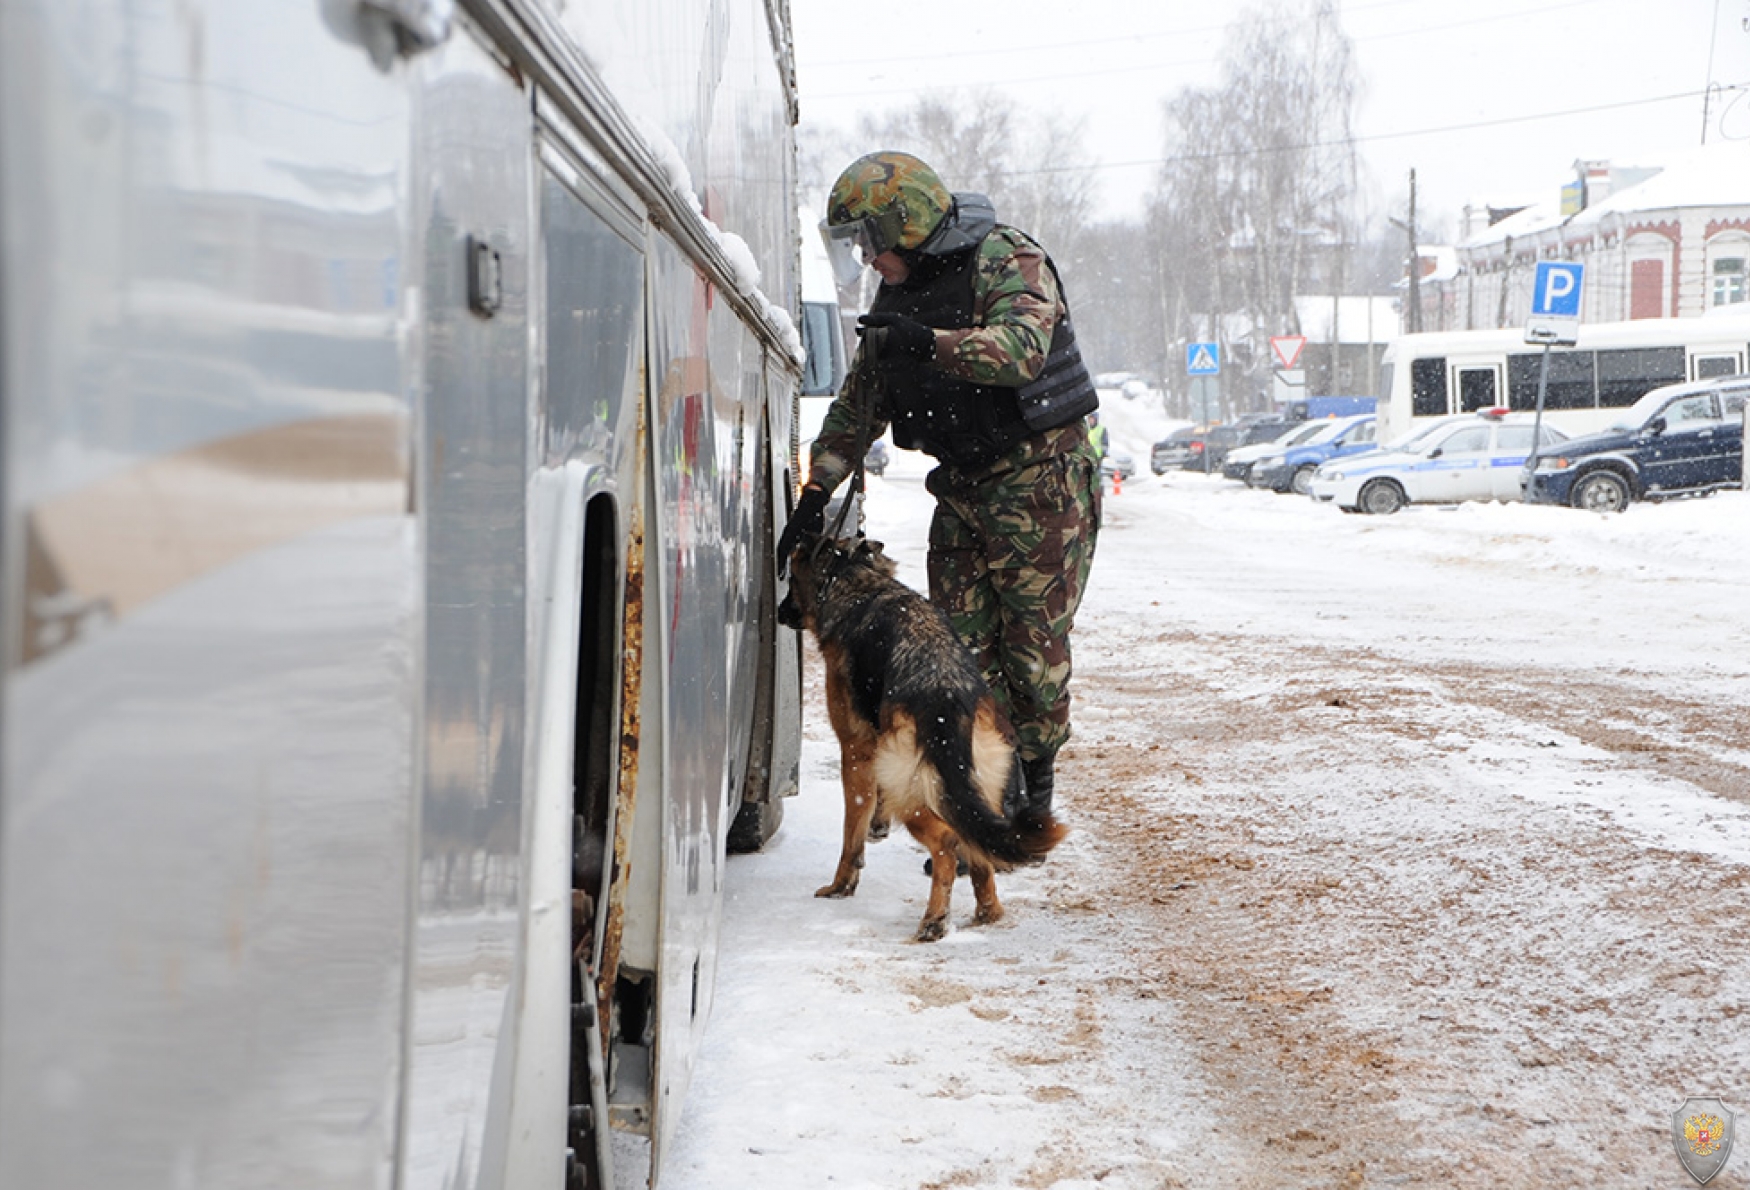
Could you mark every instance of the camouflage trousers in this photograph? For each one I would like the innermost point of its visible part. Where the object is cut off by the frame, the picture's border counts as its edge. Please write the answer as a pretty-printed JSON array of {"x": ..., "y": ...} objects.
[{"x": 1009, "y": 557}]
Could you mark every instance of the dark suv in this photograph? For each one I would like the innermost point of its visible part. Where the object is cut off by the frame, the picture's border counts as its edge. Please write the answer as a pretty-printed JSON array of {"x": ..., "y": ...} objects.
[
  {"x": 1680, "y": 440},
  {"x": 1174, "y": 449},
  {"x": 1249, "y": 429}
]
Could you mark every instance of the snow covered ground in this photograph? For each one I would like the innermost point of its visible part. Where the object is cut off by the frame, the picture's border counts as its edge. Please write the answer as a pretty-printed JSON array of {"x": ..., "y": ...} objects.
[{"x": 1408, "y": 851}]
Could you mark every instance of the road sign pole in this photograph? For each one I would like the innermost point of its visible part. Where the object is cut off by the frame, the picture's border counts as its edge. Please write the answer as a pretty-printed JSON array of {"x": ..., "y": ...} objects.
[{"x": 1537, "y": 419}]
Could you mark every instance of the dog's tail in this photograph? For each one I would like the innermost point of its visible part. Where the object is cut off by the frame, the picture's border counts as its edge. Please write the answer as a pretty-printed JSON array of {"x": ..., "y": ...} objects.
[{"x": 975, "y": 766}]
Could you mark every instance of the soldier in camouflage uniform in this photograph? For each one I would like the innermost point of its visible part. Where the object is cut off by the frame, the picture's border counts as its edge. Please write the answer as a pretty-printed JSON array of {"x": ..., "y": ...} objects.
[{"x": 968, "y": 353}]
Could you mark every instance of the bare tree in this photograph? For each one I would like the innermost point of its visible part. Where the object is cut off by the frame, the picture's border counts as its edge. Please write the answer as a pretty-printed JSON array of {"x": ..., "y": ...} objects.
[
  {"x": 1256, "y": 201},
  {"x": 1033, "y": 167}
]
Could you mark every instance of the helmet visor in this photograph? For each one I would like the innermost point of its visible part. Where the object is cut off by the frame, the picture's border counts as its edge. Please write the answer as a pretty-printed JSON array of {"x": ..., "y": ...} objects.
[
  {"x": 851, "y": 246},
  {"x": 846, "y": 250}
]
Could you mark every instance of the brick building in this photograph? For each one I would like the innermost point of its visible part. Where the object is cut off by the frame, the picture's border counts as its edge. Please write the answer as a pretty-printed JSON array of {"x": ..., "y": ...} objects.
[{"x": 1669, "y": 241}]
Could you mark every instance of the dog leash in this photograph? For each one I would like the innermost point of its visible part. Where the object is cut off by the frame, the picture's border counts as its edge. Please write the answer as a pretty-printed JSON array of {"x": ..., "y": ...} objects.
[{"x": 865, "y": 415}]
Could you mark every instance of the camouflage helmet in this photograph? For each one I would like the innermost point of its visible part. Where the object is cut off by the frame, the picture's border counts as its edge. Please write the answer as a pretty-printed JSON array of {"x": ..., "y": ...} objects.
[{"x": 886, "y": 201}]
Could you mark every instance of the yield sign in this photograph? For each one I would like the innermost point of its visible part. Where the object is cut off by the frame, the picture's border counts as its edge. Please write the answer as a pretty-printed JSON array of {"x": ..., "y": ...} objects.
[{"x": 1287, "y": 349}]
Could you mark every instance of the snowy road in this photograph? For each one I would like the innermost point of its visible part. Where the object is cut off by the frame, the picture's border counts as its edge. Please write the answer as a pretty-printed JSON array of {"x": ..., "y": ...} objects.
[{"x": 1408, "y": 851}]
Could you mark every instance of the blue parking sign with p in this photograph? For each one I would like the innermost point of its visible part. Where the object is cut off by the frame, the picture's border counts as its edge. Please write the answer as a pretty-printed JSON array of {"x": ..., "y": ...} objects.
[
  {"x": 1203, "y": 359},
  {"x": 1556, "y": 289}
]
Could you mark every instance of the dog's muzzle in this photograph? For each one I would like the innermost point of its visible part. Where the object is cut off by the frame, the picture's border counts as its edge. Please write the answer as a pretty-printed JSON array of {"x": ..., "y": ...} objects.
[{"x": 789, "y": 612}]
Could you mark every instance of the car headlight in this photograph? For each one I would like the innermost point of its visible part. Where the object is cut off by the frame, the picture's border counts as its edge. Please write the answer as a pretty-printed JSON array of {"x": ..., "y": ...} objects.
[
  {"x": 1553, "y": 463},
  {"x": 1268, "y": 461},
  {"x": 1322, "y": 473}
]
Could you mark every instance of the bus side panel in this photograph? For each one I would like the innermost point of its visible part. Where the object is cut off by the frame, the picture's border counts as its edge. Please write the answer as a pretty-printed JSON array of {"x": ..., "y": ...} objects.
[
  {"x": 785, "y": 779},
  {"x": 693, "y": 435},
  {"x": 593, "y": 286},
  {"x": 719, "y": 96},
  {"x": 474, "y": 161},
  {"x": 211, "y": 636}
]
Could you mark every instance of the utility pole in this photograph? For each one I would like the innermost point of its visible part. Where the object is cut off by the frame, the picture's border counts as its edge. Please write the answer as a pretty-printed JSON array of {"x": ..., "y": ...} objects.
[
  {"x": 1415, "y": 263},
  {"x": 1413, "y": 319}
]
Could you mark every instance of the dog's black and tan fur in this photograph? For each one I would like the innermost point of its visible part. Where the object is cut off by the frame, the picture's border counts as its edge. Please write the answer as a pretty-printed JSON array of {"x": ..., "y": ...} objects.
[{"x": 919, "y": 735}]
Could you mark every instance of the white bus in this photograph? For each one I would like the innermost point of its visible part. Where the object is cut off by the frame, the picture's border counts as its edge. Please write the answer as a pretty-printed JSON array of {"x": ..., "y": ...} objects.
[
  {"x": 1432, "y": 375},
  {"x": 395, "y": 399}
]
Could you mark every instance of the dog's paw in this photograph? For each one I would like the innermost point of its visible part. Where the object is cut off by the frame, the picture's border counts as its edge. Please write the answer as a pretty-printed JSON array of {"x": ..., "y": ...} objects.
[
  {"x": 933, "y": 929},
  {"x": 837, "y": 889},
  {"x": 878, "y": 830},
  {"x": 987, "y": 915}
]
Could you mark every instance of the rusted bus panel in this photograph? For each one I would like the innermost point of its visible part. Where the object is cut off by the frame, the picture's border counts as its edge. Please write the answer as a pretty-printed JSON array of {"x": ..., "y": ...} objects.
[{"x": 630, "y": 736}]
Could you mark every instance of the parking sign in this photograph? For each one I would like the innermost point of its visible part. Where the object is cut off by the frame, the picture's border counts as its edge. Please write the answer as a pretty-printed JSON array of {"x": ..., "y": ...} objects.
[{"x": 1555, "y": 302}]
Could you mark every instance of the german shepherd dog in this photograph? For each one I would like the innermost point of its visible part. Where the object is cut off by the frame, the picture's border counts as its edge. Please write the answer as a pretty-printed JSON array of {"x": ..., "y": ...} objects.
[{"x": 920, "y": 738}]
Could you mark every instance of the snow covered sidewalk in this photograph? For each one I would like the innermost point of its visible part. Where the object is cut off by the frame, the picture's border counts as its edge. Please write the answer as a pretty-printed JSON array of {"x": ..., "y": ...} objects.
[{"x": 1408, "y": 851}]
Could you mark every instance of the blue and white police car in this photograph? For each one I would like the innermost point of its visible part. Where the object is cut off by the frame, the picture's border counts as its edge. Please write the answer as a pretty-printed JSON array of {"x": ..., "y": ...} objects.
[
  {"x": 1471, "y": 456},
  {"x": 1291, "y": 468}
]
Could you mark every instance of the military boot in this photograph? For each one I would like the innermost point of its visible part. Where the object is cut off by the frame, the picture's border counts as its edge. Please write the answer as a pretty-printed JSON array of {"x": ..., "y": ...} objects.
[{"x": 1038, "y": 775}]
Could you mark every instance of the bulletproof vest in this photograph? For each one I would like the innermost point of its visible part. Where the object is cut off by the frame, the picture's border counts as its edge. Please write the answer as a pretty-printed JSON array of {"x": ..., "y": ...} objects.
[{"x": 956, "y": 420}]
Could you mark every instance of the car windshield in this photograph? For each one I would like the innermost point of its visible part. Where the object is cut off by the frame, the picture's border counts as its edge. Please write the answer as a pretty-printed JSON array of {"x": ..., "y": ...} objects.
[
  {"x": 1416, "y": 439},
  {"x": 1636, "y": 416},
  {"x": 1327, "y": 430},
  {"x": 1301, "y": 435}
]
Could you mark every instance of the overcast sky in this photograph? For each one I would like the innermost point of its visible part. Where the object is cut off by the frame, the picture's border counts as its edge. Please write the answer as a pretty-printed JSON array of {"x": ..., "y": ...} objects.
[{"x": 1472, "y": 96}]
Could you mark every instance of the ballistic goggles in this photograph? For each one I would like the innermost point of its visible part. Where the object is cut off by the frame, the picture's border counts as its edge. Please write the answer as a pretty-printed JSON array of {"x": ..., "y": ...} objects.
[{"x": 851, "y": 246}]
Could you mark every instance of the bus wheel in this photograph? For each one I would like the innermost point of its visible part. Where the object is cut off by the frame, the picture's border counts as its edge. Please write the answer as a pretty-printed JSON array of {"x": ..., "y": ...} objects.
[
  {"x": 1302, "y": 479},
  {"x": 1381, "y": 497},
  {"x": 1601, "y": 491}
]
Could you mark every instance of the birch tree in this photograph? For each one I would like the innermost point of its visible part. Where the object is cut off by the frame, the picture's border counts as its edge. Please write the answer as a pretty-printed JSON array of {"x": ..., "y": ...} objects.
[{"x": 1256, "y": 201}]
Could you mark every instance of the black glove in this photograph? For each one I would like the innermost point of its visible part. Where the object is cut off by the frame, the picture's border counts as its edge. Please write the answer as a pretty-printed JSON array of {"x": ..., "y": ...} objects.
[
  {"x": 891, "y": 336},
  {"x": 808, "y": 520}
]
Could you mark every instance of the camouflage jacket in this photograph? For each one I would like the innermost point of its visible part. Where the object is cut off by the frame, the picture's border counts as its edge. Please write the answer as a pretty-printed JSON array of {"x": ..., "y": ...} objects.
[{"x": 1016, "y": 305}]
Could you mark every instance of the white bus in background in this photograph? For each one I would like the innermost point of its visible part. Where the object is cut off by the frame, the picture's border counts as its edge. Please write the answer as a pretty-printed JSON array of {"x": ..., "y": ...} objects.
[{"x": 1428, "y": 376}]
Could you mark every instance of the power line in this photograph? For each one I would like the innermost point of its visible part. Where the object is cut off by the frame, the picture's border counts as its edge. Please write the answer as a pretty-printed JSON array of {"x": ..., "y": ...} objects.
[
  {"x": 1382, "y": 136},
  {"x": 892, "y": 59}
]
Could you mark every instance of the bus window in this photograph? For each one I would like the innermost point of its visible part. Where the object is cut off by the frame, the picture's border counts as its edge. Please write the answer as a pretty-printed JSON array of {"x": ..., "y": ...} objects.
[
  {"x": 1428, "y": 387},
  {"x": 1571, "y": 381},
  {"x": 1478, "y": 388},
  {"x": 1625, "y": 373},
  {"x": 825, "y": 370},
  {"x": 1716, "y": 365}
]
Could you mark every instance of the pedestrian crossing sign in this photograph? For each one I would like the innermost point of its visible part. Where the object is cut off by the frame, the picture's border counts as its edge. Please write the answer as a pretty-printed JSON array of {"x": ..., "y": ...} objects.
[{"x": 1202, "y": 359}]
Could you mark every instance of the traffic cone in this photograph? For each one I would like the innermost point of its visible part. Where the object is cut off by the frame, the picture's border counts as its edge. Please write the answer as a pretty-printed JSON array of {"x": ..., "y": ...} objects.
[{"x": 1117, "y": 483}]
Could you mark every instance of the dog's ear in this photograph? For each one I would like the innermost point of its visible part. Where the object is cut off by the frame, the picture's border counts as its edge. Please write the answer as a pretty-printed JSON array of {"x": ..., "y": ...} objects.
[{"x": 872, "y": 554}]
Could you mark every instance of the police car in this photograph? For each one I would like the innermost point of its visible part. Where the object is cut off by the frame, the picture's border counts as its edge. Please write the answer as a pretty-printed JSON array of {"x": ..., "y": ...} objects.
[
  {"x": 1291, "y": 468},
  {"x": 1472, "y": 456}
]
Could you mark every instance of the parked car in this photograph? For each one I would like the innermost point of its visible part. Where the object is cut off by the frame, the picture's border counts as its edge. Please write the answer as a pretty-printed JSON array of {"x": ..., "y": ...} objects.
[
  {"x": 1679, "y": 440},
  {"x": 875, "y": 462},
  {"x": 1208, "y": 452},
  {"x": 1238, "y": 464},
  {"x": 1119, "y": 463},
  {"x": 1470, "y": 456},
  {"x": 1173, "y": 450},
  {"x": 1291, "y": 469}
]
